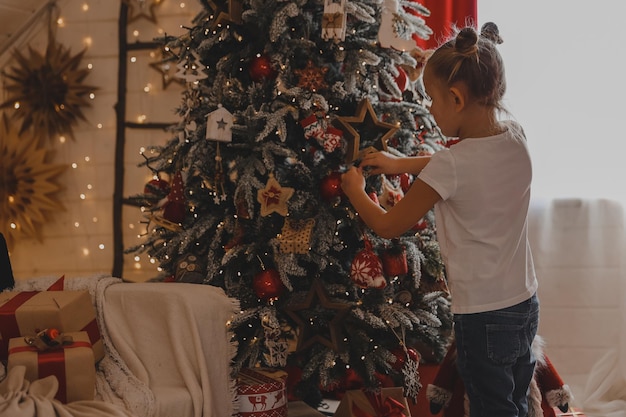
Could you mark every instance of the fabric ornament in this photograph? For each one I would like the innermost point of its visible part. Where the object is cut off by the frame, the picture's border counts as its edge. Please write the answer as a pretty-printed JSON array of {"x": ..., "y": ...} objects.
[
  {"x": 273, "y": 198},
  {"x": 295, "y": 236},
  {"x": 334, "y": 20},
  {"x": 332, "y": 139},
  {"x": 388, "y": 35},
  {"x": 219, "y": 124},
  {"x": 394, "y": 262},
  {"x": 175, "y": 204},
  {"x": 390, "y": 195},
  {"x": 366, "y": 270},
  {"x": 313, "y": 127}
]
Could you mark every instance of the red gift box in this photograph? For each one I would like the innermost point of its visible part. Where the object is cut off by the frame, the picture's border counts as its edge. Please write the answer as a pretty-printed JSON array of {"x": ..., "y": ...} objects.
[
  {"x": 72, "y": 364},
  {"x": 28, "y": 312},
  {"x": 261, "y": 393}
]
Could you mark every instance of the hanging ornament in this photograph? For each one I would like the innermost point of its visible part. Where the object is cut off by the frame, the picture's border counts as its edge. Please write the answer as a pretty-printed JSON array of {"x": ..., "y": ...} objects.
[
  {"x": 175, "y": 204},
  {"x": 366, "y": 270},
  {"x": 138, "y": 9},
  {"x": 220, "y": 190},
  {"x": 330, "y": 187},
  {"x": 388, "y": 35},
  {"x": 295, "y": 236},
  {"x": 405, "y": 182},
  {"x": 218, "y": 125},
  {"x": 273, "y": 198},
  {"x": 333, "y": 139},
  {"x": 311, "y": 77},
  {"x": 190, "y": 269},
  {"x": 390, "y": 194},
  {"x": 223, "y": 16},
  {"x": 191, "y": 69},
  {"x": 364, "y": 129},
  {"x": 314, "y": 127},
  {"x": 260, "y": 68},
  {"x": 156, "y": 187},
  {"x": 277, "y": 346},
  {"x": 334, "y": 20},
  {"x": 394, "y": 261},
  {"x": 46, "y": 91},
  {"x": 319, "y": 318},
  {"x": 403, "y": 353},
  {"x": 28, "y": 185},
  {"x": 267, "y": 284}
]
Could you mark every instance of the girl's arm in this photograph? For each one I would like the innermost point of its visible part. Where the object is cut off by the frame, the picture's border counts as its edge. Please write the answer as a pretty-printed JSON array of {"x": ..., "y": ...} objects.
[
  {"x": 404, "y": 215},
  {"x": 386, "y": 163}
]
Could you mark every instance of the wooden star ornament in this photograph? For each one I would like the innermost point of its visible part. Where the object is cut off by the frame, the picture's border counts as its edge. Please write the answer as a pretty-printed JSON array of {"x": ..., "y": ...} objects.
[
  {"x": 311, "y": 77},
  {"x": 142, "y": 9},
  {"x": 315, "y": 304},
  {"x": 363, "y": 132},
  {"x": 273, "y": 198}
]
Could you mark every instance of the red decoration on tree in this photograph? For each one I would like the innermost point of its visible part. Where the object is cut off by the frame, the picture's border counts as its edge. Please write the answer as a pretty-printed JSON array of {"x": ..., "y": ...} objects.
[
  {"x": 261, "y": 69},
  {"x": 401, "y": 356},
  {"x": 401, "y": 80},
  {"x": 366, "y": 270},
  {"x": 267, "y": 284},
  {"x": 156, "y": 186},
  {"x": 330, "y": 187},
  {"x": 175, "y": 206},
  {"x": 405, "y": 182},
  {"x": 394, "y": 262}
]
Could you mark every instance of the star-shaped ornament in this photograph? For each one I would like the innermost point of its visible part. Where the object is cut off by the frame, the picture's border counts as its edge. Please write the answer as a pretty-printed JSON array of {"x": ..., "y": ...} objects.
[
  {"x": 274, "y": 197},
  {"x": 364, "y": 129},
  {"x": 167, "y": 68},
  {"x": 221, "y": 16},
  {"x": 317, "y": 306},
  {"x": 311, "y": 77},
  {"x": 138, "y": 9}
]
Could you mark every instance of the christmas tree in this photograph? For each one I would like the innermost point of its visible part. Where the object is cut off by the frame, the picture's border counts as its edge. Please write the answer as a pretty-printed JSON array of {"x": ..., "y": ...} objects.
[{"x": 281, "y": 97}]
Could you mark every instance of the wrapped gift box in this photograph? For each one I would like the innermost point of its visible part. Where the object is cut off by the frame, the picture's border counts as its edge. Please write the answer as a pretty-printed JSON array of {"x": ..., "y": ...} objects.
[
  {"x": 72, "y": 364},
  {"x": 261, "y": 393},
  {"x": 26, "y": 313},
  {"x": 389, "y": 402}
]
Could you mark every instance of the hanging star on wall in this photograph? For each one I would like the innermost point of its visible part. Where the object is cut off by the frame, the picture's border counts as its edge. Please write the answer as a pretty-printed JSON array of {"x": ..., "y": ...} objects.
[
  {"x": 142, "y": 9},
  {"x": 28, "y": 187},
  {"x": 274, "y": 197},
  {"x": 364, "y": 130},
  {"x": 167, "y": 68},
  {"x": 317, "y": 306},
  {"x": 46, "y": 91}
]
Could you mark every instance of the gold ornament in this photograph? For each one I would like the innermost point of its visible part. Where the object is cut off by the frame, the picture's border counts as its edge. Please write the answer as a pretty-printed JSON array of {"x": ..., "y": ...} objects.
[
  {"x": 364, "y": 128},
  {"x": 273, "y": 198},
  {"x": 312, "y": 78},
  {"x": 46, "y": 91},
  {"x": 27, "y": 185},
  {"x": 295, "y": 236}
]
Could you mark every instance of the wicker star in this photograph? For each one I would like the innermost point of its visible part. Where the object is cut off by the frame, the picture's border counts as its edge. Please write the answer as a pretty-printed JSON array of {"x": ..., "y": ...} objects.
[
  {"x": 364, "y": 129},
  {"x": 167, "y": 68},
  {"x": 138, "y": 9},
  {"x": 312, "y": 78},
  {"x": 315, "y": 306},
  {"x": 28, "y": 185},
  {"x": 274, "y": 197},
  {"x": 46, "y": 91}
]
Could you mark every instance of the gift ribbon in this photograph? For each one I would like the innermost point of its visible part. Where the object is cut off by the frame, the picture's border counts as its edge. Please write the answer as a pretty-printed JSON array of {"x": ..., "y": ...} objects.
[
  {"x": 389, "y": 407},
  {"x": 52, "y": 362}
]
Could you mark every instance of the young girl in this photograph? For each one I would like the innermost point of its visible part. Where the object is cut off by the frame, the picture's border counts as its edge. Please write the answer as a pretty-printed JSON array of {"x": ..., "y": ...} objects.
[{"x": 480, "y": 189}]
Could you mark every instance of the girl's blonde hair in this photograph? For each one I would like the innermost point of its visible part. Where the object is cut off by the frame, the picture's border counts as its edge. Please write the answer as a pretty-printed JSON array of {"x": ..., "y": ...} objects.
[{"x": 473, "y": 59}]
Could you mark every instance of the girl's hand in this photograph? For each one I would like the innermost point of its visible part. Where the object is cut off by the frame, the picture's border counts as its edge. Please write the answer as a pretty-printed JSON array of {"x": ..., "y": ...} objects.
[
  {"x": 352, "y": 181},
  {"x": 379, "y": 162}
]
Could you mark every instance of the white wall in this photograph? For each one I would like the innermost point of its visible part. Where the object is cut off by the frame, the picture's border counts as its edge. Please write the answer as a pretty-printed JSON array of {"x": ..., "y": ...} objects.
[{"x": 78, "y": 241}]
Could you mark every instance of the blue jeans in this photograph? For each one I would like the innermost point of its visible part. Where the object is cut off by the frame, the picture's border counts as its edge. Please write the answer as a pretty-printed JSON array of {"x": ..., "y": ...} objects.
[{"x": 495, "y": 358}]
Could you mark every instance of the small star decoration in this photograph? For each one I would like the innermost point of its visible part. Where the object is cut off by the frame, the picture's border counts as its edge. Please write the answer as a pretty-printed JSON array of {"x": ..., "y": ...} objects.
[
  {"x": 221, "y": 16},
  {"x": 273, "y": 198},
  {"x": 364, "y": 128},
  {"x": 317, "y": 304},
  {"x": 138, "y": 9},
  {"x": 167, "y": 68},
  {"x": 312, "y": 78}
]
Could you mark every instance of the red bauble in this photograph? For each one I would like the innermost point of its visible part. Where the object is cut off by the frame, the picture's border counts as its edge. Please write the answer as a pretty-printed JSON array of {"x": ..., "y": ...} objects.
[
  {"x": 330, "y": 187},
  {"x": 405, "y": 182},
  {"x": 260, "y": 68},
  {"x": 268, "y": 285},
  {"x": 394, "y": 262},
  {"x": 401, "y": 356},
  {"x": 156, "y": 186},
  {"x": 366, "y": 270}
]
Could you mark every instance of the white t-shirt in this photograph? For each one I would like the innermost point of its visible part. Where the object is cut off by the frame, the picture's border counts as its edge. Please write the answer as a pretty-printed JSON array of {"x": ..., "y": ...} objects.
[{"x": 481, "y": 219}]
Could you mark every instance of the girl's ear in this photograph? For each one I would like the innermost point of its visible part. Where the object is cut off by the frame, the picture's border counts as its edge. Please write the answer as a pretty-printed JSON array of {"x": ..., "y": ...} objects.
[{"x": 459, "y": 98}]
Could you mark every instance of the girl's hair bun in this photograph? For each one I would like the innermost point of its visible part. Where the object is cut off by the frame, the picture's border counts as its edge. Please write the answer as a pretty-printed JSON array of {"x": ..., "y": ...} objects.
[
  {"x": 466, "y": 41},
  {"x": 490, "y": 31}
]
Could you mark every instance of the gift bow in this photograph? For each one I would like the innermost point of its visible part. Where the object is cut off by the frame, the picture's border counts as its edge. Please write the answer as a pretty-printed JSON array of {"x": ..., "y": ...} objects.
[{"x": 388, "y": 407}]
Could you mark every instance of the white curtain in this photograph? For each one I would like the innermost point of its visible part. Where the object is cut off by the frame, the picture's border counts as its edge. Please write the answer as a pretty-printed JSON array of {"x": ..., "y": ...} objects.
[{"x": 578, "y": 247}]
